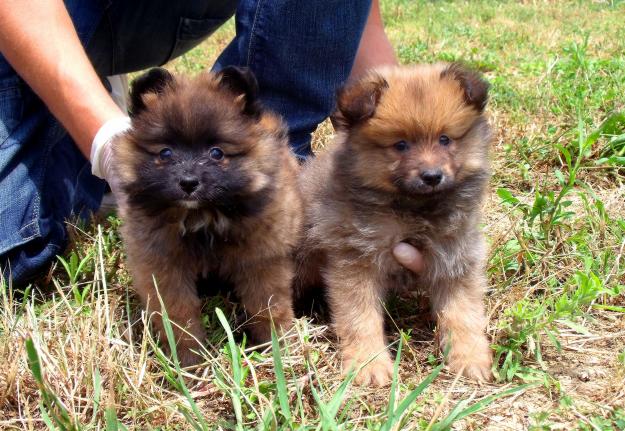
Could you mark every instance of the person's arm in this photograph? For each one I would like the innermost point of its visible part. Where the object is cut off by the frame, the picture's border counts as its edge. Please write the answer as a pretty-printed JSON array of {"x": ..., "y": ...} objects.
[
  {"x": 375, "y": 49},
  {"x": 38, "y": 39}
]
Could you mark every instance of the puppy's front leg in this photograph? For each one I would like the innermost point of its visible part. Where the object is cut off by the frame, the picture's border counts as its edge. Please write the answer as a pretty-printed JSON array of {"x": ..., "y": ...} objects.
[
  {"x": 264, "y": 288},
  {"x": 355, "y": 300},
  {"x": 459, "y": 309},
  {"x": 179, "y": 295}
]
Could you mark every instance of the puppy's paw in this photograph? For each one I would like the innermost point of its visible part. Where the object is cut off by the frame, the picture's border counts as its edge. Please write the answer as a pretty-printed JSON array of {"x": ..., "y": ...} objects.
[
  {"x": 187, "y": 354},
  {"x": 478, "y": 372},
  {"x": 377, "y": 372},
  {"x": 260, "y": 329},
  {"x": 473, "y": 360},
  {"x": 283, "y": 325}
]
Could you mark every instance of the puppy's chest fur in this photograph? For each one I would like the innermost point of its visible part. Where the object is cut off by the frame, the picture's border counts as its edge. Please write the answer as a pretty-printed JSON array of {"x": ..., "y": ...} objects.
[
  {"x": 201, "y": 240},
  {"x": 448, "y": 240},
  {"x": 445, "y": 233},
  {"x": 205, "y": 227}
]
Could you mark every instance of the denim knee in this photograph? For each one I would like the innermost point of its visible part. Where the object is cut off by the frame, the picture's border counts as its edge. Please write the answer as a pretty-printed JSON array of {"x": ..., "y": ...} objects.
[
  {"x": 135, "y": 35},
  {"x": 44, "y": 181},
  {"x": 301, "y": 52}
]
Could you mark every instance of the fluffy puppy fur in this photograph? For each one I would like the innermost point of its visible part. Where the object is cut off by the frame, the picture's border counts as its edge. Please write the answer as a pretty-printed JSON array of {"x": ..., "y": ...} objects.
[
  {"x": 209, "y": 187},
  {"x": 410, "y": 163}
]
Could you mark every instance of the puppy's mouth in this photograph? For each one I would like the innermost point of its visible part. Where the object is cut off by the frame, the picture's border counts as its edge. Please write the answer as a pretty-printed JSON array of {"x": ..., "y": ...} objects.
[
  {"x": 189, "y": 203},
  {"x": 420, "y": 188},
  {"x": 201, "y": 198},
  {"x": 425, "y": 190}
]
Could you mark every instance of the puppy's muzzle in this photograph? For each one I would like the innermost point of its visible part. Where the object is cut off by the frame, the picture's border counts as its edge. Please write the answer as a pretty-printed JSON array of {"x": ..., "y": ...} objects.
[
  {"x": 189, "y": 184},
  {"x": 432, "y": 177}
]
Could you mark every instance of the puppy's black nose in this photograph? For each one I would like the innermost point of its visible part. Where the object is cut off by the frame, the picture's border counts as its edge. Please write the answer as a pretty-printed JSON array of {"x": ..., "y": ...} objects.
[
  {"x": 189, "y": 184},
  {"x": 432, "y": 177}
]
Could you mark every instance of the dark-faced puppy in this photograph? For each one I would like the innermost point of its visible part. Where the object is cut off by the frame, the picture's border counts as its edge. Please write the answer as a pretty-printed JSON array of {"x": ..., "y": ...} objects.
[
  {"x": 410, "y": 163},
  {"x": 208, "y": 186}
]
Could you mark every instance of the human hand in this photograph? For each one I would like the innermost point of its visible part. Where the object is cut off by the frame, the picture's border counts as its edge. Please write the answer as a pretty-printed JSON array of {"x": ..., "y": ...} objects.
[
  {"x": 102, "y": 161},
  {"x": 409, "y": 257}
]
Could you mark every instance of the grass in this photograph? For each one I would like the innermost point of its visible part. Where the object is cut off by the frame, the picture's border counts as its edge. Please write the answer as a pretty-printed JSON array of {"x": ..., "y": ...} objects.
[{"x": 77, "y": 354}]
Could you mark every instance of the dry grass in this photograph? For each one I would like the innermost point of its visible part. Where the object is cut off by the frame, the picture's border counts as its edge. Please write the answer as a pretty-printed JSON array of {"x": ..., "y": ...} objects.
[{"x": 556, "y": 270}]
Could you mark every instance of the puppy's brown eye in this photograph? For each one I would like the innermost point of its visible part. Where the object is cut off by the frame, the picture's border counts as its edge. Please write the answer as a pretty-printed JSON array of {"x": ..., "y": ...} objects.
[
  {"x": 216, "y": 153},
  {"x": 401, "y": 146},
  {"x": 444, "y": 140},
  {"x": 165, "y": 154}
]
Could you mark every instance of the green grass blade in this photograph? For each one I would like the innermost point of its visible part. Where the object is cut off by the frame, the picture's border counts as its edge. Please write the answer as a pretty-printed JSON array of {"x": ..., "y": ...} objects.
[
  {"x": 235, "y": 360},
  {"x": 169, "y": 332},
  {"x": 46, "y": 417},
  {"x": 82, "y": 263},
  {"x": 268, "y": 422},
  {"x": 412, "y": 396},
  {"x": 327, "y": 414},
  {"x": 65, "y": 266},
  {"x": 97, "y": 383},
  {"x": 460, "y": 412},
  {"x": 283, "y": 394},
  {"x": 327, "y": 422},
  {"x": 200, "y": 422},
  {"x": 575, "y": 326},
  {"x": 51, "y": 406},
  {"x": 390, "y": 411},
  {"x": 329, "y": 411},
  {"x": 489, "y": 399},
  {"x": 190, "y": 419},
  {"x": 110, "y": 417},
  {"x": 339, "y": 395},
  {"x": 33, "y": 361},
  {"x": 445, "y": 424},
  {"x": 609, "y": 307}
]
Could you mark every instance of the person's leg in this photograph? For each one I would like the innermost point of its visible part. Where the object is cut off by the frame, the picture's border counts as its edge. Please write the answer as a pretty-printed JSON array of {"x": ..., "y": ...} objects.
[
  {"x": 301, "y": 51},
  {"x": 135, "y": 35},
  {"x": 44, "y": 179}
]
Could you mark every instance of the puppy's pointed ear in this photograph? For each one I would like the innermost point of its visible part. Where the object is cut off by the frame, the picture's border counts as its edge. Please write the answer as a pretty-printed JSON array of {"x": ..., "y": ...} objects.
[
  {"x": 152, "y": 82},
  {"x": 474, "y": 86},
  {"x": 241, "y": 82},
  {"x": 357, "y": 102}
]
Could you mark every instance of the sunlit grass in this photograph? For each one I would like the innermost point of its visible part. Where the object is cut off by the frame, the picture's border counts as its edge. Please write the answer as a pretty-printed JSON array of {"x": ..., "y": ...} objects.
[{"x": 77, "y": 354}]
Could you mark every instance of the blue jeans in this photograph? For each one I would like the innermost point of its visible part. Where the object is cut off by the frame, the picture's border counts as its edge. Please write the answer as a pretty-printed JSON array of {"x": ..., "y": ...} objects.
[{"x": 300, "y": 50}]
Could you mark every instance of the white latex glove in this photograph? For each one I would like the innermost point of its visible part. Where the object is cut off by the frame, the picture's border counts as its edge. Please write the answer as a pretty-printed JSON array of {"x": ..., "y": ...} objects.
[
  {"x": 102, "y": 150},
  {"x": 119, "y": 90}
]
